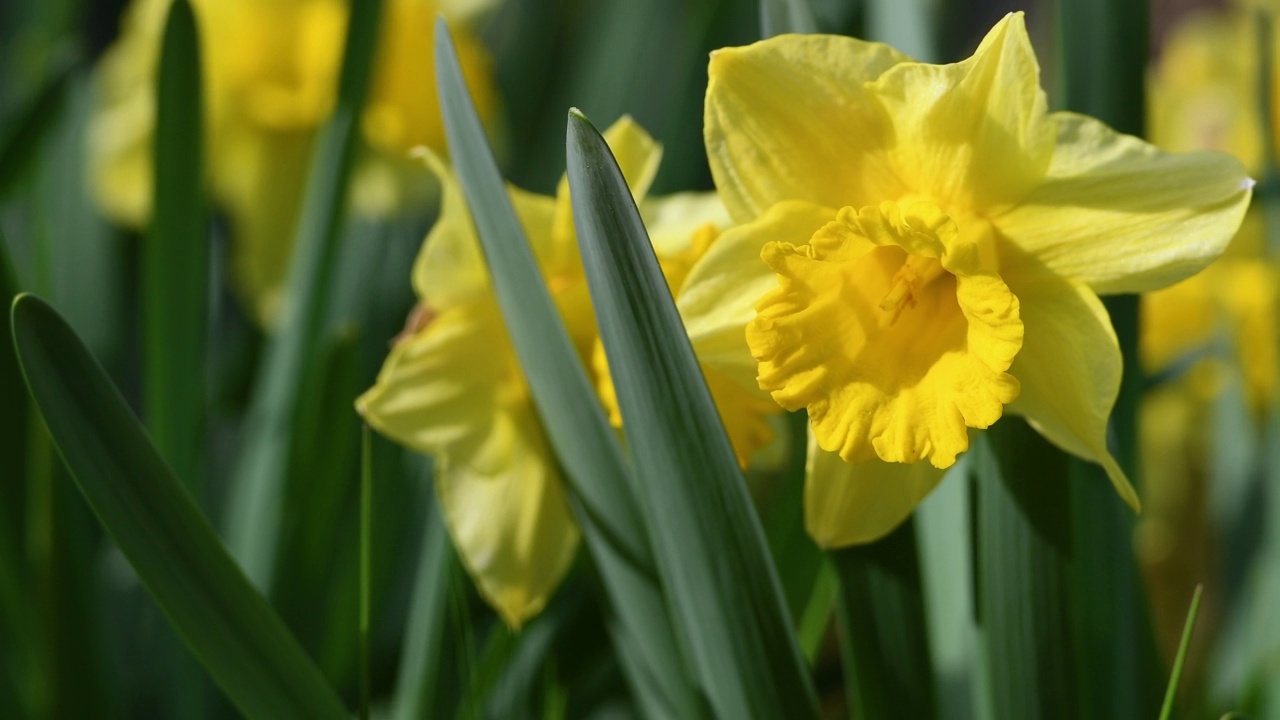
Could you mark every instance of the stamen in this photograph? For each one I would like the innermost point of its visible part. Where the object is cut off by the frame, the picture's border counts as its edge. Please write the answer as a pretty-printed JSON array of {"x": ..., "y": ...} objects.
[{"x": 911, "y": 278}]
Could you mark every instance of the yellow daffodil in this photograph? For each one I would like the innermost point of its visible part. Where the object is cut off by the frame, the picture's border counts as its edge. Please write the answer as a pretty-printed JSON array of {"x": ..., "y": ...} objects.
[
  {"x": 271, "y": 74},
  {"x": 934, "y": 243},
  {"x": 452, "y": 386}
]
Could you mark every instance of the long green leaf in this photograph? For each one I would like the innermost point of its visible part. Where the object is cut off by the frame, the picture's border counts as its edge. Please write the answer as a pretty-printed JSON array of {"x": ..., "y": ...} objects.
[
  {"x": 175, "y": 259},
  {"x": 1023, "y": 550},
  {"x": 175, "y": 290},
  {"x": 423, "y": 660},
  {"x": 601, "y": 494},
  {"x": 888, "y": 670},
  {"x": 253, "y": 516},
  {"x": 230, "y": 628},
  {"x": 711, "y": 552}
]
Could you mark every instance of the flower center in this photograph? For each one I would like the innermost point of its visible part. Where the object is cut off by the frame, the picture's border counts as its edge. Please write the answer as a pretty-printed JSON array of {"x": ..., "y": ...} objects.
[
  {"x": 878, "y": 382},
  {"x": 911, "y": 278}
]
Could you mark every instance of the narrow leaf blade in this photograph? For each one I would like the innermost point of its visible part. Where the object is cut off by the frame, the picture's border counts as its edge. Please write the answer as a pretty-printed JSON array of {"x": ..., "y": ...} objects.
[
  {"x": 175, "y": 258},
  {"x": 711, "y": 553},
  {"x": 228, "y": 626},
  {"x": 888, "y": 668}
]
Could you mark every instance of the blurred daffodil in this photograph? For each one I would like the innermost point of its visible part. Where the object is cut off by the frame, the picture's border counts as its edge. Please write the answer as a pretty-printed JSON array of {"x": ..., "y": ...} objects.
[
  {"x": 453, "y": 386},
  {"x": 1203, "y": 95},
  {"x": 934, "y": 244},
  {"x": 271, "y": 75}
]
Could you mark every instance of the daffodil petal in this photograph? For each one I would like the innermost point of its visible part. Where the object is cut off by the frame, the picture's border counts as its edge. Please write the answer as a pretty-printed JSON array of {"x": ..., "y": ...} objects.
[
  {"x": 1068, "y": 368},
  {"x": 973, "y": 134},
  {"x": 454, "y": 389},
  {"x": 509, "y": 518},
  {"x": 719, "y": 296},
  {"x": 450, "y": 269},
  {"x": 1121, "y": 216},
  {"x": 790, "y": 118},
  {"x": 672, "y": 220},
  {"x": 849, "y": 504}
]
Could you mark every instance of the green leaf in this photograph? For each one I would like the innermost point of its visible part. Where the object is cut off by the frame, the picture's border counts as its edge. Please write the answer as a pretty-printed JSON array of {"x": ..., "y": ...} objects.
[
  {"x": 884, "y": 639},
  {"x": 289, "y": 362},
  {"x": 366, "y": 562},
  {"x": 1171, "y": 692},
  {"x": 230, "y": 628},
  {"x": 423, "y": 660},
  {"x": 711, "y": 551},
  {"x": 175, "y": 259},
  {"x": 786, "y": 16},
  {"x": 601, "y": 494},
  {"x": 1022, "y": 566}
]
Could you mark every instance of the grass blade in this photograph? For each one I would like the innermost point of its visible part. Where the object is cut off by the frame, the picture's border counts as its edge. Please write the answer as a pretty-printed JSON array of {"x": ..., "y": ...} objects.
[
  {"x": 603, "y": 499},
  {"x": 230, "y": 628},
  {"x": 254, "y": 507},
  {"x": 884, "y": 640},
  {"x": 1171, "y": 692},
  {"x": 175, "y": 259},
  {"x": 711, "y": 553}
]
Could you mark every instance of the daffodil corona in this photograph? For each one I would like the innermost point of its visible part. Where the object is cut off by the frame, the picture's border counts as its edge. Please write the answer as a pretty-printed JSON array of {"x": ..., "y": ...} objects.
[
  {"x": 453, "y": 387},
  {"x": 934, "y": 243}
]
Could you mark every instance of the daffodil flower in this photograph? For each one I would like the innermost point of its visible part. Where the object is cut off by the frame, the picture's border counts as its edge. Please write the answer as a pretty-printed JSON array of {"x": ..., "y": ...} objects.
[
  {"x": 271, "y": 76},
  {"x": 453, "y": 387},
  {"x": 933, "y": 243}
]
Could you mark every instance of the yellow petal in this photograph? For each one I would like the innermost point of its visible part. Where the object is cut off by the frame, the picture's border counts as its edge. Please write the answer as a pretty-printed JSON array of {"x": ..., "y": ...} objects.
[
  {"x": 450, "y": 269},
  {"x": 849, "y": 504},
  {"x": 891, "y": 332},
  {"x": 789, "y": 118},
  {"x": 719, "y": 295},
  {"x": 1121, "y": 216},
  {"x": 1068, "y": 368},
  {"x": 974, "y": 134},
  {"x": 454, "y": 389},
  {"x": 672, "y": 220}
]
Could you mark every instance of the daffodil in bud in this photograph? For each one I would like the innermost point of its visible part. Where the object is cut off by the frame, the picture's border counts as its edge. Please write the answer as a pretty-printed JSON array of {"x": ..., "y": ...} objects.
[
  {"x": 453, "y": 387},
  {"x": 921, "y": 250},
  {"x": 270, "y": 69}
]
